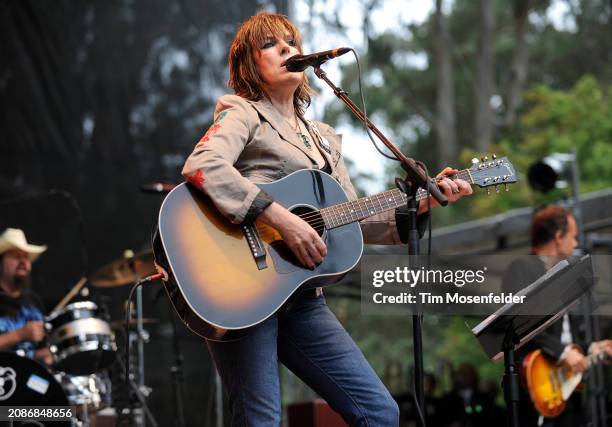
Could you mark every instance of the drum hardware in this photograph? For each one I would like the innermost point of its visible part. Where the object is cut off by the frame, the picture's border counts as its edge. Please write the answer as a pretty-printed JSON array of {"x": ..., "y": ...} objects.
[
  {"x": 130, "y": 269},
  {"x": 139, "y": 413},
  {"x": 88, "y": 394},
  {"x": 127, "y": 270}
]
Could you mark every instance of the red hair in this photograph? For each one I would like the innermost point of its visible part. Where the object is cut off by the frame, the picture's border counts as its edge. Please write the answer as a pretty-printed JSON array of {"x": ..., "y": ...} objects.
[{"x": 244, "y": 74}]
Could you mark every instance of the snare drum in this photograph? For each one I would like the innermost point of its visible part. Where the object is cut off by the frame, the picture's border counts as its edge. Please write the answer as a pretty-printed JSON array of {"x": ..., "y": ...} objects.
[
  {"x": 80, "y": 341},
  {"x": 24, "y": 382}
]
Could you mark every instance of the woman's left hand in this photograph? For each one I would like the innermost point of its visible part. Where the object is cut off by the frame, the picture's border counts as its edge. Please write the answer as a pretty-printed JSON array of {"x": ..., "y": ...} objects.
[{"x": 452, "y": 189}]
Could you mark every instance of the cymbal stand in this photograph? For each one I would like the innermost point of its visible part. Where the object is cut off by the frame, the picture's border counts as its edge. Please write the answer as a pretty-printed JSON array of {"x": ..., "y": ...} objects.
[
  {"x": 145, "y": 413},
  {"x": 142, "y": 337}
]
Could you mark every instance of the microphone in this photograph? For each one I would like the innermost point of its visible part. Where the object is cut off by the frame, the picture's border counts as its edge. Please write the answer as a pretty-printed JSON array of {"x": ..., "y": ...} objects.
[
  {"x": 301, "y": 62},
  {"x": 157, "y": 187}
]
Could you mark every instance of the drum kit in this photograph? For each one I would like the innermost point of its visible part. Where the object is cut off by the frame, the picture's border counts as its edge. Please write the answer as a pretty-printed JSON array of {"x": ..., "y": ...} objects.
[{"x": 83, "y": 347}]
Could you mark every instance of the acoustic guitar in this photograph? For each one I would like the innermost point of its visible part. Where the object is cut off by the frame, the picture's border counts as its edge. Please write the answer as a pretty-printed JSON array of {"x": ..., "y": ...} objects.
[
  {"x": 226, "y": 278},
  {"x": 551, "y": 384}
]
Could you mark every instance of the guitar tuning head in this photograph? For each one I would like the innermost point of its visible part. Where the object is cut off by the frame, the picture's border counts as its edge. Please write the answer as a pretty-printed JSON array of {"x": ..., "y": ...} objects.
[
  {"x": 493, "y": 156},
  {"x": 506, "y": 188},
  {"x": 475, "y": 161},
  {"x": 497, "y": 189},
  {"x": 484, "y": 158},
  {"x": 488, "y": 191}
]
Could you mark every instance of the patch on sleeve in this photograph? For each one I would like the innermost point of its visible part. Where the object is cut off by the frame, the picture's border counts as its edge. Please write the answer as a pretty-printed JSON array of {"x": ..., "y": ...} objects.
[
  {"x": 197, "y": 178},
  {"x": 220, "y": 117},
  {"x": 214, "y": 128}
]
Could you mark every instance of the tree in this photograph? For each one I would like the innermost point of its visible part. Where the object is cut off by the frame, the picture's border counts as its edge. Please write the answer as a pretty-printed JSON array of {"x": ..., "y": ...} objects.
[
  {"x": 484, "y": 85},
  {"x": 446, "y": 134}
]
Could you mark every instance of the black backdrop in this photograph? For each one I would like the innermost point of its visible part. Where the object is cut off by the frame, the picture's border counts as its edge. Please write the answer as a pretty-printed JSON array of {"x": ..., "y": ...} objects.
[{"x": 96, "y": 98}]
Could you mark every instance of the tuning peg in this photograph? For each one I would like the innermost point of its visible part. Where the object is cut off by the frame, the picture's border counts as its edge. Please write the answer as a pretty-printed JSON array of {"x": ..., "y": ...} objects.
[
  {"x": 506, "y": 188},
  {"x": 475, "y": 161},
  {"x": 497, "y": 189},
  {"x": 488, "y": 191},
  {"x": 484, "y": 158},
  {"x": 494, "y": 156}
]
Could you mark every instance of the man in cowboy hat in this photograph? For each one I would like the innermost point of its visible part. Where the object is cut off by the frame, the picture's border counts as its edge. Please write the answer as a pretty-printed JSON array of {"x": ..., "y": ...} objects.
[{"x": 21, "y": 316}]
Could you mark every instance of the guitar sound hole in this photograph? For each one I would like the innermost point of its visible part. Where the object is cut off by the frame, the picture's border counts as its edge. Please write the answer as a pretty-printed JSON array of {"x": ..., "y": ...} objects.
[
  {"x": 311, "y": 216},
  {"x": 285, "y": 261}
]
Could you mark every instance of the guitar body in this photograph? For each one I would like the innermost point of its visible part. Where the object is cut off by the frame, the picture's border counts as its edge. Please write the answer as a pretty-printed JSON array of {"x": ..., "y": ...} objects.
[
  {"x": 215, "y": 283},
  {"x": 550, "y": 384},
  {"x": 225, "y": 279}
]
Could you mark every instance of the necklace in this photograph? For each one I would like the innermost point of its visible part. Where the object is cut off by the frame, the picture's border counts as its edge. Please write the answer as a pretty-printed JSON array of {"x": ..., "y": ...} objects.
[{"x": 297, "y": 129}]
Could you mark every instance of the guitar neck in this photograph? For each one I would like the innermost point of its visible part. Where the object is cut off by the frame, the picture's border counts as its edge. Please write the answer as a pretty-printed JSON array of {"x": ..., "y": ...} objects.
[{"x": 365, "y": 207}]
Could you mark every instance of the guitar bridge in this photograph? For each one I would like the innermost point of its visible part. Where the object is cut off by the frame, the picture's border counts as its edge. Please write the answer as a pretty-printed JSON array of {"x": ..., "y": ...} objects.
[{"x": 256, "y": 245}]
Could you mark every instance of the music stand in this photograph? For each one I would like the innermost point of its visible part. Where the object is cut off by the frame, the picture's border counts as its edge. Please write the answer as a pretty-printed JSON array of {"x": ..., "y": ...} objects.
[{"x": 546, "y": 300}]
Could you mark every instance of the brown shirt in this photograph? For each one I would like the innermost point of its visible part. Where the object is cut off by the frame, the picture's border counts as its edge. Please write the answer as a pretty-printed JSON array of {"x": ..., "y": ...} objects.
[{"x": 251, "y": 142}]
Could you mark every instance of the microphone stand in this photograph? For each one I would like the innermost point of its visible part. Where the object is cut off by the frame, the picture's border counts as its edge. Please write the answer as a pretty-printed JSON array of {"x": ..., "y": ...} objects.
[{"x": 416, "y": 178}]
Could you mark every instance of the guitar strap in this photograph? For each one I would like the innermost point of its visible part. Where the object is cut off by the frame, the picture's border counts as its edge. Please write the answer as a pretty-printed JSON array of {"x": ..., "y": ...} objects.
[{"x": 323, "y": 143}]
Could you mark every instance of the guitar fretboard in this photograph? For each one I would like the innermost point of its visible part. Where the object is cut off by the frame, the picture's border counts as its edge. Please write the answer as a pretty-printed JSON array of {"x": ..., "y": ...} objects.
[{"x": 365, "y": 207}]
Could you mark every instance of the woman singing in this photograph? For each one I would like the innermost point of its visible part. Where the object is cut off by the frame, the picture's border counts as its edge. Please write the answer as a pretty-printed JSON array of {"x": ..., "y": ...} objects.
[{"x": 260, "y": 134}]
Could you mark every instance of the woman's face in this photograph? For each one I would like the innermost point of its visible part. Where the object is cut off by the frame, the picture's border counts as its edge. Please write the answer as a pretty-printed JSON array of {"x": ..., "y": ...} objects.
[{"x": 273, "y": 52}]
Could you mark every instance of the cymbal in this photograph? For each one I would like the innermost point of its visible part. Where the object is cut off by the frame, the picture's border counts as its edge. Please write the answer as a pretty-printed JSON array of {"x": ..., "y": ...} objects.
[
  {"x": 124, "y": 271},
  {"x": 120, "y": 324}
]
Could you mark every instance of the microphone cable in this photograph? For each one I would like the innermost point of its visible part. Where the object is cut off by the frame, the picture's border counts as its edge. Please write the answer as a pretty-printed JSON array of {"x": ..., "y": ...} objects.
[{"x": 365, "y": 114}]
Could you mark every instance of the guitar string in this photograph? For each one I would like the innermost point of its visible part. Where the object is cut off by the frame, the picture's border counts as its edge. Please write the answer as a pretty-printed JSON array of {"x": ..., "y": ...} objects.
[
  {"x": 319, "y": 224},
  {"x": 317, "y": 221},
  {"x": 463, "y": 174}
]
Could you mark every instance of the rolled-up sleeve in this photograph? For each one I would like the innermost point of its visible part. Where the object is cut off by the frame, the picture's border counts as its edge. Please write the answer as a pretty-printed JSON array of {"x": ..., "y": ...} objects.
[{"x": 210, "y": 167}]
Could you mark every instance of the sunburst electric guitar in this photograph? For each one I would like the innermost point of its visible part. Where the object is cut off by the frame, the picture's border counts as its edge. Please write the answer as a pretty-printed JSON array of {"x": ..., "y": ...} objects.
[
  {"x": 551, "y": 384},
  {"x": 225, "y": 278}
]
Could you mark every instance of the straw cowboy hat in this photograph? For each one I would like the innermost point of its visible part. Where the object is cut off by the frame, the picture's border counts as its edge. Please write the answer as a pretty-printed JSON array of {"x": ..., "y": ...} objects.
[{"x": 14, "y": 238}]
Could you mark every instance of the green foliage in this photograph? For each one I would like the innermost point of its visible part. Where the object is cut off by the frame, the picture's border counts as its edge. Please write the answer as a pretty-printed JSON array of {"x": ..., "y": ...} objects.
[
  {"x": 567, "y": 104},
  {"x": 556, "y": 121},
  {"x": 557, "y": 112}
]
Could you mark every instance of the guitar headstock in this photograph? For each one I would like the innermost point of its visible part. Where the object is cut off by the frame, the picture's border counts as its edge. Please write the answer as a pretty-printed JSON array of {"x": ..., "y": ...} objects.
[{"x": 486, "y": 173}]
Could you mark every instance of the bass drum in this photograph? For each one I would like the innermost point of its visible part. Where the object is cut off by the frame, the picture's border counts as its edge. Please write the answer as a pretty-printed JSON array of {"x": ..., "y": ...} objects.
[{"x": 24, "y": 382}]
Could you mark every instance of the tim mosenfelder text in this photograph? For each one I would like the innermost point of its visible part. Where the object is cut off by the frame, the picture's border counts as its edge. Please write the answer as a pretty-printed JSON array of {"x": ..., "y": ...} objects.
[{"x": 413, "y": 277}]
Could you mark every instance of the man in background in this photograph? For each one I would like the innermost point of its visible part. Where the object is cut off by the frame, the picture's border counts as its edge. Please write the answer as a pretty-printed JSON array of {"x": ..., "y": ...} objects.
[
  {"x": 21, "y": 313},
  {"x": 554, "y": 234}
]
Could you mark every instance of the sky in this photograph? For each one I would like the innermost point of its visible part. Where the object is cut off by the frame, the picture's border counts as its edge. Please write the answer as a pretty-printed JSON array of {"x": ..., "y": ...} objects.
[{"x": 356, "y": 145}]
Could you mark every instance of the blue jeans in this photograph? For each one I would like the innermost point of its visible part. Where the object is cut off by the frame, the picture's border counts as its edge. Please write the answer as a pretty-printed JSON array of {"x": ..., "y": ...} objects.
[{"x": 308, "y": 339}]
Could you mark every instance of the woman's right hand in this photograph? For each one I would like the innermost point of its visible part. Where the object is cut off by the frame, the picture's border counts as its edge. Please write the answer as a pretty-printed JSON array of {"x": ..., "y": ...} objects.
[
  {"x": 298, "y": 235},
  {"x": 33, "y": 331}
]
